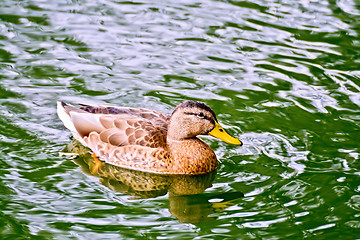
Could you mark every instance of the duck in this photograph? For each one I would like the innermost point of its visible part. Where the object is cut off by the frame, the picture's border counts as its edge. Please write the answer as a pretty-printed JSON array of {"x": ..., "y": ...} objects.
[{"x": 148, "y": 140}]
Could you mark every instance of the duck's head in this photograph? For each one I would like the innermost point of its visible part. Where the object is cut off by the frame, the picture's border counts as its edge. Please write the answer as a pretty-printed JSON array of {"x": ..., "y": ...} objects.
[{"x": 192, "y": 118}]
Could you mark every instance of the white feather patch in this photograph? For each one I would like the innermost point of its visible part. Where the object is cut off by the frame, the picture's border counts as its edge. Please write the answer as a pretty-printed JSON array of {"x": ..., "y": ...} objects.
[{"x": 65, "y": 117}]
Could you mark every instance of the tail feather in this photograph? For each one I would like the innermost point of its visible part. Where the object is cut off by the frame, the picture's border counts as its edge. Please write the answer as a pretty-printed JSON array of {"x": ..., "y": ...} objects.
[
  {"x": 64, "y": 116},
  {"x": 79, "y": 121}
]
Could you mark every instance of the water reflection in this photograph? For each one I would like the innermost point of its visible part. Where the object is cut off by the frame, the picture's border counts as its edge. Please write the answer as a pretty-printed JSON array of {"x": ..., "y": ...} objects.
[
  {"x": 198, "y": 208},
  {"x": 186, "y": 199}
]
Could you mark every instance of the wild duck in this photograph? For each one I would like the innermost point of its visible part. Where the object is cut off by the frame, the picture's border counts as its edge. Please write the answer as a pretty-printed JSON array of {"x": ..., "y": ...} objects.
[{"x": 148, "y": 140}]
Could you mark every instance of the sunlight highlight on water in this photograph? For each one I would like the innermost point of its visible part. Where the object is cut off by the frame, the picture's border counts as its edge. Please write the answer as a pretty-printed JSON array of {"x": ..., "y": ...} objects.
[{"x": 282, "y": 75}]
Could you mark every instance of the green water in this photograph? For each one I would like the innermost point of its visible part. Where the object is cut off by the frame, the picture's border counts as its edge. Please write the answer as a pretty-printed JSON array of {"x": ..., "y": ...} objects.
[{"x": 282, "y": 75}]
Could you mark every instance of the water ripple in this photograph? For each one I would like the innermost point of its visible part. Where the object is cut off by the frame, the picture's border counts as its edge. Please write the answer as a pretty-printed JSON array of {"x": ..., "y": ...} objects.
[{"x": 283, "y": 75}]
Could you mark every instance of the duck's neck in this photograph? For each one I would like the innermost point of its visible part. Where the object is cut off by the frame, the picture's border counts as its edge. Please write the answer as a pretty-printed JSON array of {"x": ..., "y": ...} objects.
[
  {"x": 175, "y": 133},
  {"x": 192, "y": 156}
]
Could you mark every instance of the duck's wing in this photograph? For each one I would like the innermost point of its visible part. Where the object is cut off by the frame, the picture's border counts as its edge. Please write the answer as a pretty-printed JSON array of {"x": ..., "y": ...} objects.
[
  {"x": 158, "y": 119},
  {"x": 115, "y": 126}
]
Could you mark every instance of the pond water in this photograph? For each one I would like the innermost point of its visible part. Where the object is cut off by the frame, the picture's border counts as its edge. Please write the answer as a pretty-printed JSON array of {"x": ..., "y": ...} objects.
[{"x": 284, "y": 76}]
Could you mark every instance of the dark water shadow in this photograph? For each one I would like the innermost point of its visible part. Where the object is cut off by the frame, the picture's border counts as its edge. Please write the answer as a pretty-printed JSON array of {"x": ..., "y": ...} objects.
[{"x": 187, "y": 202}]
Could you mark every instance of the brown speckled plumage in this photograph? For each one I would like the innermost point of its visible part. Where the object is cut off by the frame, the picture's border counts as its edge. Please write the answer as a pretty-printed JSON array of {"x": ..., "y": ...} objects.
[{"x": 146, "y": 140}]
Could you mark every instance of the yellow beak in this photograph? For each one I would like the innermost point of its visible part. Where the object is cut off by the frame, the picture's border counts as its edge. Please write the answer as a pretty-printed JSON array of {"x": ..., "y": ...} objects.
[{"x": 220, "y": 133}]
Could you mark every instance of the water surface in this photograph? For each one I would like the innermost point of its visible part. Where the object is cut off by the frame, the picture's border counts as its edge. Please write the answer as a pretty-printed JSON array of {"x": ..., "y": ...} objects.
[{"x": 283, "y": 75}]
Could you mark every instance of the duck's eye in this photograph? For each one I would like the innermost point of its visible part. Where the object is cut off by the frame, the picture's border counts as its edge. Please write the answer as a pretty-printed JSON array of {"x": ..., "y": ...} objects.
[{"x": 200, "y": 115}]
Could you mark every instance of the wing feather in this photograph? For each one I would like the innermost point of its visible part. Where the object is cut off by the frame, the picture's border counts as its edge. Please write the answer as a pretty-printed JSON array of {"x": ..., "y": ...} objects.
[{"x": 117, "y": 126}]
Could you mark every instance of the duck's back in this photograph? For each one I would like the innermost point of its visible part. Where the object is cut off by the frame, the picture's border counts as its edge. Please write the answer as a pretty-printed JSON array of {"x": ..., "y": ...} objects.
[
  {"x": 116, "y": 126},
  {"x": 158, "y": 119}
]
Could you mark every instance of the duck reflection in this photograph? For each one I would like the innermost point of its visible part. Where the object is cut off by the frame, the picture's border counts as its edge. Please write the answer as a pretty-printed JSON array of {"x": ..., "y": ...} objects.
[{"x": 187, "y": 202}]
